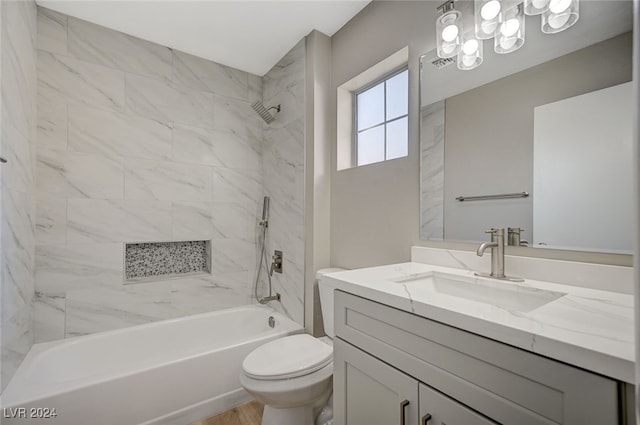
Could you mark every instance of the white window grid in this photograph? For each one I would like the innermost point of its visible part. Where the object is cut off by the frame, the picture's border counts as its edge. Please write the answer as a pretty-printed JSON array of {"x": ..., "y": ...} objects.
[{"x": 384, "y": 123}]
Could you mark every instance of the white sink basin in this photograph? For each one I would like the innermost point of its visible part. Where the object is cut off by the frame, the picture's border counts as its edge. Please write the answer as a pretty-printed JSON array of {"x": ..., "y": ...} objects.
[{"x": 505, "y": 295}]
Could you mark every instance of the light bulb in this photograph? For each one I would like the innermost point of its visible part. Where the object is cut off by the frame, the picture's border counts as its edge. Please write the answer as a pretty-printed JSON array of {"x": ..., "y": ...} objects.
[
  {"x": 490, "y": 10},
  {"x": 558, "y": 21},
  {"x": 489, "y": 27},
  {"x": 468, "y": 60},
  {"x": 470, "y": 56},
  {"x": 539, "y": 4},
  {"x": 470, "y": 47},
  {"x": 562, "y": 14},
  {"x": 535, "y": 7},
  {"x": 510, "y": 36},
  {"x": 507, "y": 43},
  {"x": 450, "y": 32},
  {"x": 510, "y": 27},
  {"x": 448, "y": 48},
  {"x": 486, "y": 15},
  {"x": 559, "y": 6}
]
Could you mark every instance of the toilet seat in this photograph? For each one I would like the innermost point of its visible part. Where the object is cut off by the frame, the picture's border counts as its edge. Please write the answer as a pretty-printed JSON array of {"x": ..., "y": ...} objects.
[{"x": 287, "y": 358}]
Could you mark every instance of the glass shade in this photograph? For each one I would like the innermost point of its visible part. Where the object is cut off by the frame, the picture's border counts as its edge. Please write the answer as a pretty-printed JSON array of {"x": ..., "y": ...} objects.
[
  {"x": 470, "y": 55},
  {"x": 486, "y": 13},
  {"x": 448, "y": 34},
  {"x": 535, "y": 7},
  {"x": 510, "y": 32},
  {"x": 561, "y": 15}
]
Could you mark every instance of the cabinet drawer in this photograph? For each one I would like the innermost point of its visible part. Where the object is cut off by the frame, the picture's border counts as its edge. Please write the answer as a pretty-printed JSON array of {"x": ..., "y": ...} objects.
[
  {"x": 507, "y": 384},
  {"x": 438, "y": 409}
]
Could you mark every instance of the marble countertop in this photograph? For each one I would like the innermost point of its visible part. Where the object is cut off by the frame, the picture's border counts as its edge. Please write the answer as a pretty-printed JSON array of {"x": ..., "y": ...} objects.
[{"x": 588, "y": 328}]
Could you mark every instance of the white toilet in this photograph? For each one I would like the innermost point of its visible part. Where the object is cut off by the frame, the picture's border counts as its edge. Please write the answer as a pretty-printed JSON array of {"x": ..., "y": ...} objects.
[{"x": 292, "y": 376}]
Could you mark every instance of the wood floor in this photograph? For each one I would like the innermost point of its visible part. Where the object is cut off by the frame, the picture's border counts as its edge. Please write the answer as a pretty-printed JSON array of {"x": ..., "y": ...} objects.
[{"x": 247, "y": 414}]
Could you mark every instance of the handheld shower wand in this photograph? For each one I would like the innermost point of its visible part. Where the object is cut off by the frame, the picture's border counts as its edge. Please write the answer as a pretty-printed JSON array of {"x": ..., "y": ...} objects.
[
  {"x": 265, "y": 212},
  {"x": 264, "y": 223}
]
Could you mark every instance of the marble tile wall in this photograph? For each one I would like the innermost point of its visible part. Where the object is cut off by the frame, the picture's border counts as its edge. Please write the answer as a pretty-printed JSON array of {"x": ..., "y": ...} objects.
[
  {"x": 138, "y": 143},
  {"x": 283, "y": 164},
  {"x": 432, "y": 179},
  {"x": 17, "y": 182}
]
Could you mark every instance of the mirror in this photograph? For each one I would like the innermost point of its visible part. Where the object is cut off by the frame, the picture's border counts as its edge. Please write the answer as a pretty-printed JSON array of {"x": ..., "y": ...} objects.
[{"x": 548, "y": 125}]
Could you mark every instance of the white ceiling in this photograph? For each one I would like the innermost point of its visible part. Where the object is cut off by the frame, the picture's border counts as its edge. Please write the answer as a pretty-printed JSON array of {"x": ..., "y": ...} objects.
[{"x": 248, "y": 35}]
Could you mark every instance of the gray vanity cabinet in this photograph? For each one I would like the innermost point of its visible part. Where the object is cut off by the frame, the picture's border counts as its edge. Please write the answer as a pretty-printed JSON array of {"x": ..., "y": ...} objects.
[
  {"x": 370, "y": 392},
  {"x": 384, "y": 356}
]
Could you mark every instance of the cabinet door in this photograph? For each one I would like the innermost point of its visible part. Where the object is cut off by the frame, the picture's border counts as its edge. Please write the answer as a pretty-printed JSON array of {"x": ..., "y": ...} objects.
[
  {"x": 368, "y": 391},
  {"x": 438, "y": 409}
]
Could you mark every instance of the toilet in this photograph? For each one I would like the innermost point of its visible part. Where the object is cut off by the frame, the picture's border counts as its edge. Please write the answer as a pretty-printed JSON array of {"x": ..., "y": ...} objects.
[{"x": 292, "y": 376}]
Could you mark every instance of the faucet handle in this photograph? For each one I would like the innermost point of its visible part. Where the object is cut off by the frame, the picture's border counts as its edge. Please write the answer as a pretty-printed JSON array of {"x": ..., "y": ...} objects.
[{"x": 496, "y": 231}]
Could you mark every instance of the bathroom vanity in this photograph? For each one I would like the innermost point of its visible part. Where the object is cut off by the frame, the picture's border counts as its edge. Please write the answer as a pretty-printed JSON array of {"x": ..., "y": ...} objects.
[{"x": 424, "y": 344}]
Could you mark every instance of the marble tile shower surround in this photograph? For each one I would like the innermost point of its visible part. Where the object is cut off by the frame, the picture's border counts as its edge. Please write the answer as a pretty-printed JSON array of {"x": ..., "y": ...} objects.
[
  {"x": 17, "y": 182},
  {"x": 283, "y": 164},
  {"x": 137, "y": 142}
]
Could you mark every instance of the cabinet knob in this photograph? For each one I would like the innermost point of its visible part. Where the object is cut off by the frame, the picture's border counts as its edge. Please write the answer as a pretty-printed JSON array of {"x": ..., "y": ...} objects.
[
  {"x": 403, "y": 411},
  {"x": 426, "y": 418}
]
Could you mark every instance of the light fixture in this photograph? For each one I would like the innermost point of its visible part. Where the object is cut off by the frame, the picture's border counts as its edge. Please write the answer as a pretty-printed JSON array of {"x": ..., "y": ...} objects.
[
  {"x": 503, "y": 20},
  {"x": 560, "y": 15},
  {"x": 535, "y": 7},
  {"x": 470, "y": 55},
  {"x": 510, "y": 33},
  {"x": 448, "y": 31},
  {"x": 486, "y": 17}
]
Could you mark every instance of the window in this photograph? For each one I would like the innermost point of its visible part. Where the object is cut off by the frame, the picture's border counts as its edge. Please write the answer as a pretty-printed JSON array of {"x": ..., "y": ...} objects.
[
  {"x": 381, "y": 119},
  {"x": 354, "y": 90}
]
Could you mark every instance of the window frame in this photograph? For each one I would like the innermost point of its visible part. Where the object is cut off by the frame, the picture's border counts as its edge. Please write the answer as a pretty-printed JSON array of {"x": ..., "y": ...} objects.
[{"x": 354, "y": 101}]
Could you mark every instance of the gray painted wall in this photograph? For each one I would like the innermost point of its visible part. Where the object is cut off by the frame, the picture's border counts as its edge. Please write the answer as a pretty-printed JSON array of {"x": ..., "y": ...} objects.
[{"x": 375, "y": 209}]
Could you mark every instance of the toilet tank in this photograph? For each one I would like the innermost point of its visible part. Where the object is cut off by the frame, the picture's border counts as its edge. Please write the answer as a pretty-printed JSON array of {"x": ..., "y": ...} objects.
[{"x": 326, "y": 300}]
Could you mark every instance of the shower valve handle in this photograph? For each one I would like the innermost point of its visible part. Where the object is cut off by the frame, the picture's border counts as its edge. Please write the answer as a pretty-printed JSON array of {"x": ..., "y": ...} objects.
[{"x": 276, "y": 264}]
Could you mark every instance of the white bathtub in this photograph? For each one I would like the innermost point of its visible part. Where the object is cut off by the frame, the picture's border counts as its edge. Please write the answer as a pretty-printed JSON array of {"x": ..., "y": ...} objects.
[{"x": 171, "y": 372}]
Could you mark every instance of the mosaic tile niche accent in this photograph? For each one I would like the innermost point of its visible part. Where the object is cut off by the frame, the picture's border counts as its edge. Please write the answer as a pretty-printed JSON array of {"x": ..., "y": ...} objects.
[{"x": 145, "y": 261}]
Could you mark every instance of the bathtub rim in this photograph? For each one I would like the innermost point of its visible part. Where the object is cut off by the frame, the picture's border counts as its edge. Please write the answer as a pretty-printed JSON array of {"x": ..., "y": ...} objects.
[{"x": 25, "y": 397}]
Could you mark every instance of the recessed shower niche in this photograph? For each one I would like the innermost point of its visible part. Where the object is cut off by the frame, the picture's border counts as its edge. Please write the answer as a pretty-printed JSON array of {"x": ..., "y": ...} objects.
[{"x": 166, "y": 260}]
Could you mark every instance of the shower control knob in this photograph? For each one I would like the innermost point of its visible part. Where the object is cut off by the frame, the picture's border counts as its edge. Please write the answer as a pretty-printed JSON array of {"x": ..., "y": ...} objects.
[{"x": 276, "y": 265}]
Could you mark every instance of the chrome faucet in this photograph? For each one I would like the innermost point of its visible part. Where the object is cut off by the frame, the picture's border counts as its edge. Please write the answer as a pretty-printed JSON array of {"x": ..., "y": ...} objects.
[
  {"x": 513, "y": 237},
  {"x": 497, "y": 256}
]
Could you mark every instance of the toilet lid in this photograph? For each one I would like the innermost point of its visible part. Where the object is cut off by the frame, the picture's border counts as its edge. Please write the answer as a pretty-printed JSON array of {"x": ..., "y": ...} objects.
[{"x": 288, "y": 357}]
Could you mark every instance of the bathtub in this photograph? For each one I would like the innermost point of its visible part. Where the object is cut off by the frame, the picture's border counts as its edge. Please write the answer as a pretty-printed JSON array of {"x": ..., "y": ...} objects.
[{"x": 171, "y": 372}]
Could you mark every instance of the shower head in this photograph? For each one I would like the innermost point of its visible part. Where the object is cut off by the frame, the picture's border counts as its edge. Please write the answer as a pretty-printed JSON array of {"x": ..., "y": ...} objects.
[{"x": 264, "y": 111}]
